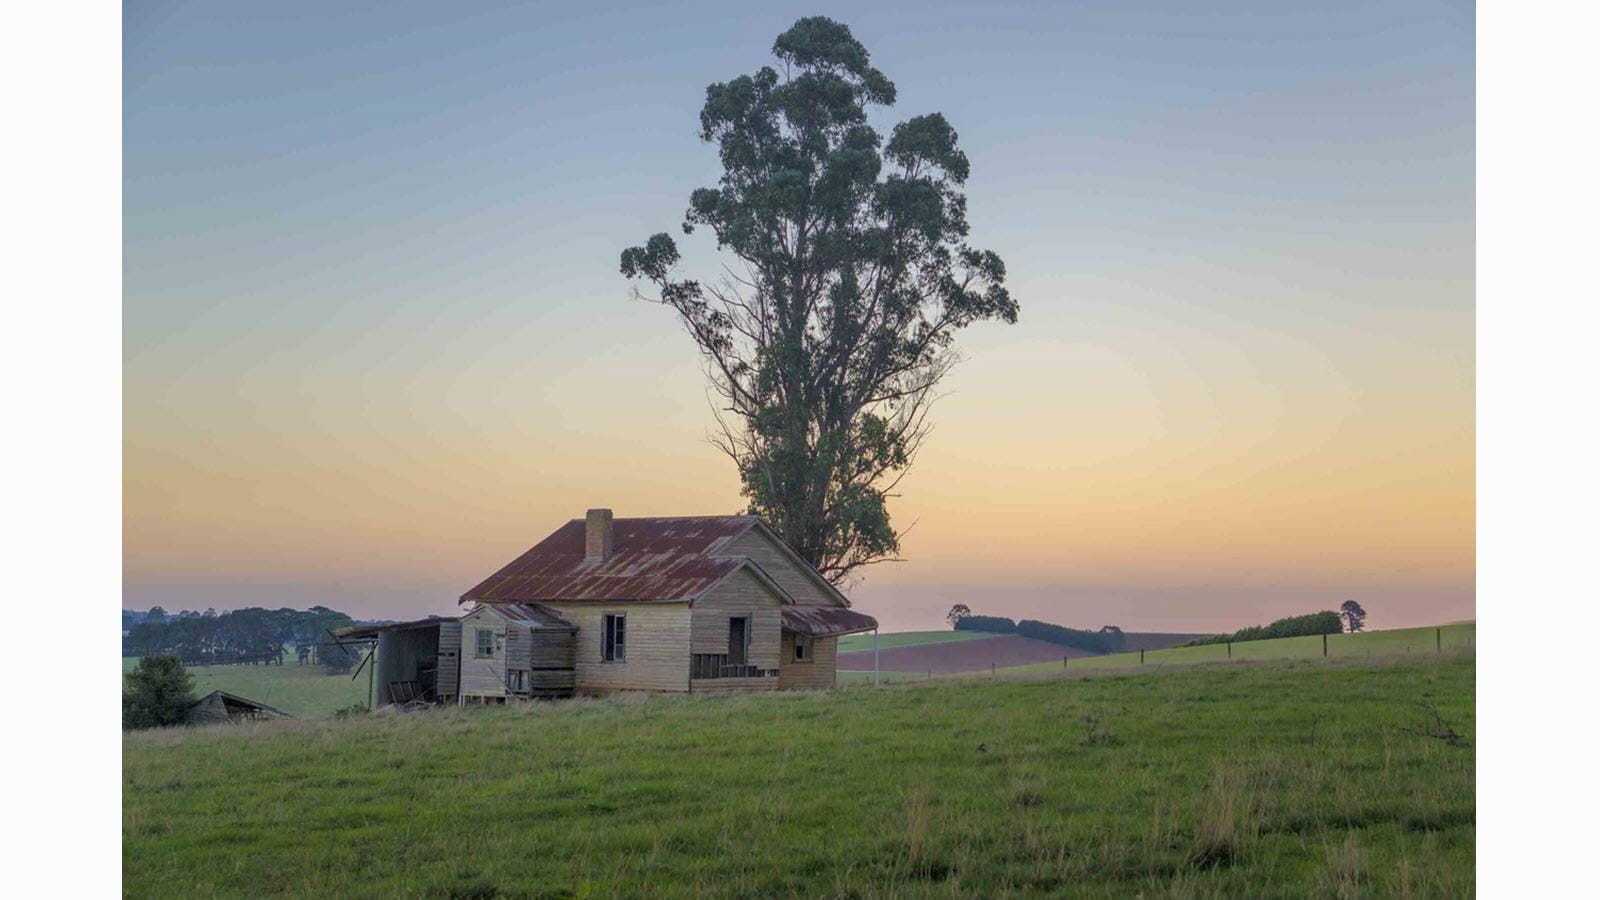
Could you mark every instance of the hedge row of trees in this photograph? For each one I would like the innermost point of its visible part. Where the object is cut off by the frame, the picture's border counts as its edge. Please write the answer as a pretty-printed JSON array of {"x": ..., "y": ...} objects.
[
  {"x": 254, "y": 635},
  {"x": 1109, "y": 639},
  {"x": 994, "y": 624},
  {"x": 1325, "y": 622}
]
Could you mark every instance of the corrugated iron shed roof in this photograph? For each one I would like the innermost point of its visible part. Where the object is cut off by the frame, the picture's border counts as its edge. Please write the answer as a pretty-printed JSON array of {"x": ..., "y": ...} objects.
[
  {"x": 237, "y": 700},
  {"x": 532, "y": 614},
  {"x": 652, "y": 559},
  {"x": 826, "y": 621},
  {"x": 367, "y": 632}
]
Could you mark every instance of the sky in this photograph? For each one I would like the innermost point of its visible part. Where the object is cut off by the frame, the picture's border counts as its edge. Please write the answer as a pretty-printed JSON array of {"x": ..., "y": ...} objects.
[{"x": 376, "y": 343}]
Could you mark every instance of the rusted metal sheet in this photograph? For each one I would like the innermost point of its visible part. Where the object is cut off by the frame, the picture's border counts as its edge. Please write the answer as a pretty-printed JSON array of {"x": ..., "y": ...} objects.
[
  {"x": 368, "y": 632},
  {"x": 652, "y": 559},
  {"x": 221, "y": 706},
  {"x": 533, "y": 615},
  {"x": 826, "y": 621}
]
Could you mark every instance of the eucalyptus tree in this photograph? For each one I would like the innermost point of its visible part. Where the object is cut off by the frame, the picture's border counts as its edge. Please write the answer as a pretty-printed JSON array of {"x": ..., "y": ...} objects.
[{"x": 827, "y": 336}]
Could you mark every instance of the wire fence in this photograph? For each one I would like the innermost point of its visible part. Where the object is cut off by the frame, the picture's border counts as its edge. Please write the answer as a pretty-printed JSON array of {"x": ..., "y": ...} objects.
[{"x": 1371, "y": 644}]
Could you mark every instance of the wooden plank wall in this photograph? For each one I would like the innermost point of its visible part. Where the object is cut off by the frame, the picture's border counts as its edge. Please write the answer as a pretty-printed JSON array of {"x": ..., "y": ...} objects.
[
  {"x": 552, "y": 648},
  {"x": 820, "y": 672},
  {"x": 709, "y": 685},
  {"x": 801, "y": 585},
  {"x": 657, "y": 641},
  {"x": 482, "y": 677},
  {"x": 740, "y": 594},
  {"x": 449, "y": 659}
]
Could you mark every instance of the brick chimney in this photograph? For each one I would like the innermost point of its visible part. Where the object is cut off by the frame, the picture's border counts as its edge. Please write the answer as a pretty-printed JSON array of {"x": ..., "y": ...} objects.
[{"x": 597, "y": 535}]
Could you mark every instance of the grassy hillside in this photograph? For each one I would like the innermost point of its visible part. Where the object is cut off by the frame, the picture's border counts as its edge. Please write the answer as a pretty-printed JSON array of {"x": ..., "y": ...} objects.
[
  {"x": 855, "y": 642},
  {"x": 1277, "y": 779},
  {"x": 295, "y": 689},
  {"x": 1371, "y": 643}
]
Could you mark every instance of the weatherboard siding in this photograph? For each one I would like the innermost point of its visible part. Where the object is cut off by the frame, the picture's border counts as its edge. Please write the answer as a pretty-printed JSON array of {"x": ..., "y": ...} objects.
[
  {"x": 449, "y": 660},
  {"x": 657, "y": 641},
  {"x": 791, "y": 575},
  {"x": 820, "y": 672},
  {"x": 483, "y": 677},
  {"x": 740, "y": 594}
]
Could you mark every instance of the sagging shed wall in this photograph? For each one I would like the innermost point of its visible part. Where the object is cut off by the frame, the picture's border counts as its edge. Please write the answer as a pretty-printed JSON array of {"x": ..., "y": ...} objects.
[{"x": 401, "y": 656}]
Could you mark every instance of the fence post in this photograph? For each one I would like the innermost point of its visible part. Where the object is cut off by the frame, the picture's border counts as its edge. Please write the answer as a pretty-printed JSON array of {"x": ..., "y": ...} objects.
[
  {"x": 1141, "y": 656},
  {"x": 930, "y": 674},
  {"x": 1324, "y": 643},
  {"x": 1438, "y": 640},
  {"x": 1230, "y": 649},
  {"x": 1063, "y": 662},
  {"x": 991, "y": 669}
]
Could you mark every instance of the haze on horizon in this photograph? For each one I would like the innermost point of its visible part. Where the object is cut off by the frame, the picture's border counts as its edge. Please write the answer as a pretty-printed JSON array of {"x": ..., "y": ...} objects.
[{"x": 376, "y": 343}]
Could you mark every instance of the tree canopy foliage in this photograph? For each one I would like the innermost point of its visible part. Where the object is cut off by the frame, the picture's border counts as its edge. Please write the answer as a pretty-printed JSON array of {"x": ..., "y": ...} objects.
[
  {"x": 1355, "y": 618},
  {"x": 854, "y": 273},
  {"x": 245, "y": 635},
  {"x": 1324, "y": 622},
  {"x": 1109, "y": 639},
  {"x": 158, "y": 692},
  {"x": 991, "y": 624}
]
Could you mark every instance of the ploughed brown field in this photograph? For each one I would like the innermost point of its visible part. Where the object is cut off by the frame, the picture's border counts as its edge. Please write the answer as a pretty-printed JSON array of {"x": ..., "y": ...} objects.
[{"x": 999, "y": 651}]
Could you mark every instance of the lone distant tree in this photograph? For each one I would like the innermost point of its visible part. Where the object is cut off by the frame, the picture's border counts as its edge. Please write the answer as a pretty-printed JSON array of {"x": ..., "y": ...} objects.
[
  {"x": 827, "y": 340},
  {"x": 957, "y": 613},
  {"x": 1355, "y": 618},
  {"x": 156, "y": 615},
  {"x": 158, "y": 692}
]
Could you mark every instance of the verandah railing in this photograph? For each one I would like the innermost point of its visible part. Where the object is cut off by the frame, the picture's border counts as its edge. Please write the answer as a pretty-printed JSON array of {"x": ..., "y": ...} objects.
[{"x": 716, "y": 665}]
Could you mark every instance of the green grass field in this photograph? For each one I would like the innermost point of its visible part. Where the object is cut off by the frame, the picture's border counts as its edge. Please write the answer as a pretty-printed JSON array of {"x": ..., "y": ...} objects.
[
  {"x": 1400, "y": 641},
  {"x": 302, "y": 691},
  {"x": 1270, "y": 779},
  {"x": 855, "y": 642}
]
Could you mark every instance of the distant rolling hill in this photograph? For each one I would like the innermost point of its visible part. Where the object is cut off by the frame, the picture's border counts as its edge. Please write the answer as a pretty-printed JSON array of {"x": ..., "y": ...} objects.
[{"x": 947, "y": 652}]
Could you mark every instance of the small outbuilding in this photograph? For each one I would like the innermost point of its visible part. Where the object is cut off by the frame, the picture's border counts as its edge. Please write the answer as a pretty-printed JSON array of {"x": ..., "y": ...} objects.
[
  {"x": 517, "y": 650},
  {"x": 218, "y": 707},
  {"x": 494, "y": 652}
]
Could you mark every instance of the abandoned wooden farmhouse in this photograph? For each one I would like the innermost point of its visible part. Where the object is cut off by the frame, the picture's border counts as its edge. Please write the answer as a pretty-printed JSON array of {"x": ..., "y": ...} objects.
[{"x": 702, "y": 603}]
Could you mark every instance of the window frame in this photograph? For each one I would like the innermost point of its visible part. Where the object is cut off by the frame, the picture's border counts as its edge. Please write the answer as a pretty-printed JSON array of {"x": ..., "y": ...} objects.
[
  {"x": 477, "y": 648},
  {"x": 803, "y": 647},
  {"x": 744, "y": 651},
  {"x": 613, "y": 650}
]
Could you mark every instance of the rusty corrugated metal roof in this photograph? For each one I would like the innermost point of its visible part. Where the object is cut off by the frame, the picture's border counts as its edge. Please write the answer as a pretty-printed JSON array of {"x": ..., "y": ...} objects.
[
  {"x": 652, "y": 559},
  {"x": 531, "y": 614},
  {"x": 826, "y": 621}
]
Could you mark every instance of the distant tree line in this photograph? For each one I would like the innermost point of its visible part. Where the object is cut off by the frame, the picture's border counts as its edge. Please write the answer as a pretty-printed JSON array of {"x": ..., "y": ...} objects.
[
  {"x": 1109, "y": 639},
  {"x": 246, "y": 636},
  {"x": 1325, "y": 622},
  {"x": 994, "y": 624}
]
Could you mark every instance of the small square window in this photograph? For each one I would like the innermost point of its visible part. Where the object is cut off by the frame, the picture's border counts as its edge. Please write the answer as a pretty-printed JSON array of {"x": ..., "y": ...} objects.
[
  {"x": 485, "y": 643},
  {"x": 802, "y": 649}
]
